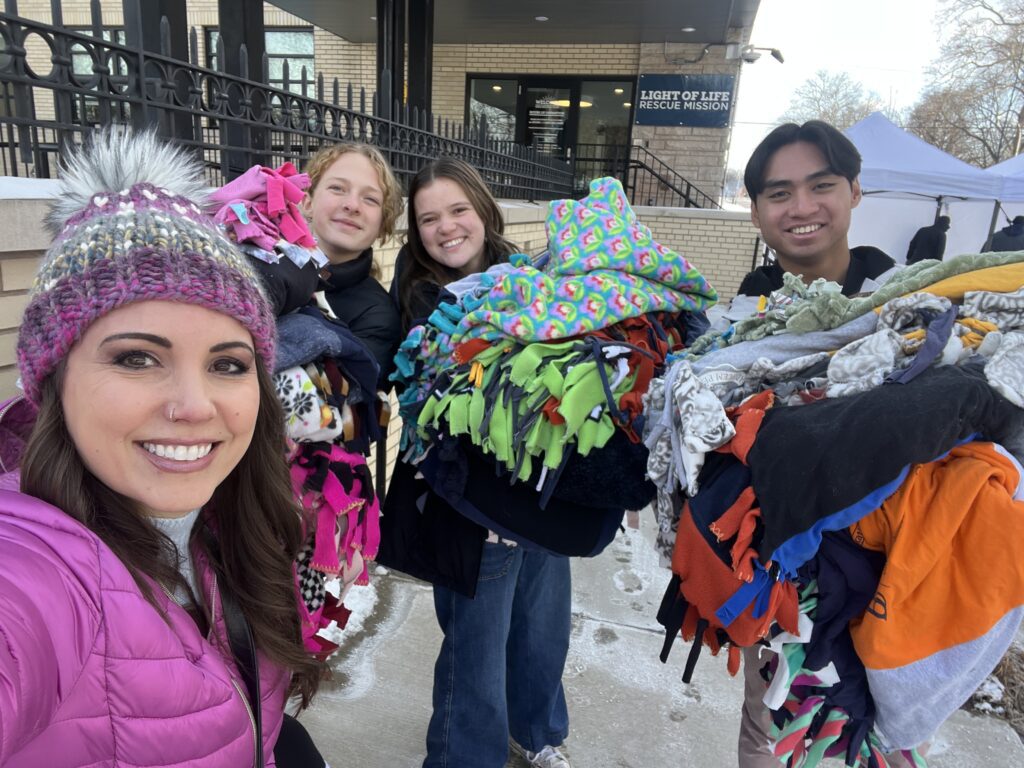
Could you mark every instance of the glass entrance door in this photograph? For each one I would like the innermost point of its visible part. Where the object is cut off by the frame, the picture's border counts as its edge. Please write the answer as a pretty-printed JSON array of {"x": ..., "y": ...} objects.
[
  {"x": 582, "y": 120},
  {"x": 549, "y": 115}
]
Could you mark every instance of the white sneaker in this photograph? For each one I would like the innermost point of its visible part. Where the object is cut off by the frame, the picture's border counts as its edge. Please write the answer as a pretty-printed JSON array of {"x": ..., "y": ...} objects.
[{"x": 549, "y": 757}]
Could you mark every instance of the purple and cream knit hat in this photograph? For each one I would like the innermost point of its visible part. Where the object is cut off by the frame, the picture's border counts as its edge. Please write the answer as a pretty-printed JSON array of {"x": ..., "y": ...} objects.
[{"x": 130, "y": 227}]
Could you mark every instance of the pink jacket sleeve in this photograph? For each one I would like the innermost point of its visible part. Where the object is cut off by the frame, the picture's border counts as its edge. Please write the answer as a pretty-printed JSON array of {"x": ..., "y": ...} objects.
[{"x": 48, "y": 627}]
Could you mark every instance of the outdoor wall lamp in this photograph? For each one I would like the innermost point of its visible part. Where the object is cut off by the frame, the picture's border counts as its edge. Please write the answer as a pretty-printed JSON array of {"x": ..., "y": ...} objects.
[{"x": 748, "y": 53}]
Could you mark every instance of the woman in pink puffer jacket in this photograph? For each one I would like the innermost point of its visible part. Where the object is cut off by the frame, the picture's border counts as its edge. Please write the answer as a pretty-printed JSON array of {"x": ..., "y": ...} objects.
[{"x": 148, "y": 610}]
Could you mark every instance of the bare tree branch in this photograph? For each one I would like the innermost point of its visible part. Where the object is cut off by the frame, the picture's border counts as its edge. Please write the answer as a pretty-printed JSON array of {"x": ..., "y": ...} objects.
[
  {"x": 973, "y": 106},
  {"x": 834, "y": 97}
]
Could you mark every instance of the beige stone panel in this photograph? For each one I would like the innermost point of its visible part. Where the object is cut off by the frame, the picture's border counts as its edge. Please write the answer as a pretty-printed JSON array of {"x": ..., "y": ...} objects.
[
  {"x": 17, "y": 273},
  {"x": 8, "y": 379},
  {"x": 12, "y": 306},
  {"x": 8, "y": 343}
]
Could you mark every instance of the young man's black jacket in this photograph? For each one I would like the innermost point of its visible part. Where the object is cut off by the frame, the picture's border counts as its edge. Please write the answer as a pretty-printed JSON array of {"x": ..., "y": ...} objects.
[{"x": 866, "y": 263}]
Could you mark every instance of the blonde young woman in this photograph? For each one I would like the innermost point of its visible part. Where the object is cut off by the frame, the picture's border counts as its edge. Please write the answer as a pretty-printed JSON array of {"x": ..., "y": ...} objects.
[{"x": 353, "y": 201}]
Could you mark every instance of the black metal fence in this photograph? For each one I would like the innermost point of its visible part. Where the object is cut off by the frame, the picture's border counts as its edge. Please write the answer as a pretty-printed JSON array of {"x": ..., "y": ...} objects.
[
  {"x": 57, "y": 85},
  {"x": 646, "y": 179}
]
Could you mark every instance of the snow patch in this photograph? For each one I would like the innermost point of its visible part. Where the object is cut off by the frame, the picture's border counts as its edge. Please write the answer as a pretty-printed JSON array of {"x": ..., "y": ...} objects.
[
  {"x": 361, "y": 600},
  {"x": 988, "y": 697}
]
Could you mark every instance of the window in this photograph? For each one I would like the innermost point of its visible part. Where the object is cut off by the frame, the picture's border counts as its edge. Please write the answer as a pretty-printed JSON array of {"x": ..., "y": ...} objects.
[
  {"x": 81, "y": 61},
  {"x": 494, "y": 100},
  {"x": 284, "y": 44},
  {"x": 85, "y": 110}
]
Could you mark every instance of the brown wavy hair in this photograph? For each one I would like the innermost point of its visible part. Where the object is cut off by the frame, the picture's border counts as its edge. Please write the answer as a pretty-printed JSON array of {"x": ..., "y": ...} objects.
[
  {"x": 253, "y": 515},
  {"x": 421, "y": 268}
]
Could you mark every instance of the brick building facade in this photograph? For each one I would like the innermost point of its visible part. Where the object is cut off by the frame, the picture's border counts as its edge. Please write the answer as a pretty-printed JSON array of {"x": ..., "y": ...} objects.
[{"x": 697, "y": 154}]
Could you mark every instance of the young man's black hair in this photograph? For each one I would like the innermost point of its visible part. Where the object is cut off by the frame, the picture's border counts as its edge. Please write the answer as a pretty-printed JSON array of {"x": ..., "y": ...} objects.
[
  {"x": 841, "y": 155},
  {"x": 803, "y": 186}
]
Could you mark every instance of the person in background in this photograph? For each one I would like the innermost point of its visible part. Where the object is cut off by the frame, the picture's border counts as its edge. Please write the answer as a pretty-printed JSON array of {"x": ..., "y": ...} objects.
[
  {"x": 1009, "y": 238},
  {"x": 929, "y": 242},
  {"x": 148, "y": 602},
  {"x": 504, "y": 609}
]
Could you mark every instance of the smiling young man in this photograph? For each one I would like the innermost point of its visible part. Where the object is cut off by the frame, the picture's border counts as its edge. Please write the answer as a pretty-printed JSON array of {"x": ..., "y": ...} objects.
[{"x": 803, "y": 186}]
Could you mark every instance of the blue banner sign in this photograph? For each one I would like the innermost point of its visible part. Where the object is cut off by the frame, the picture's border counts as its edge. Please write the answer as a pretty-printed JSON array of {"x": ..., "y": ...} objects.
[{"x": 703, "y": 101}]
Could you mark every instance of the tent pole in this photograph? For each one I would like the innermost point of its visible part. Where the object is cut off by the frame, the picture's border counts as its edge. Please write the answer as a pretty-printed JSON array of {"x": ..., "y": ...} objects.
[{"x": 992, "y": 224}]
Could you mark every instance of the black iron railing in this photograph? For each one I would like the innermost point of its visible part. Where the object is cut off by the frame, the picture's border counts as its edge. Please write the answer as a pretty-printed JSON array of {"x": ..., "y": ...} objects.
[
  {"x": 57, "y": 85},
  {"x": 646, "y": 178}
]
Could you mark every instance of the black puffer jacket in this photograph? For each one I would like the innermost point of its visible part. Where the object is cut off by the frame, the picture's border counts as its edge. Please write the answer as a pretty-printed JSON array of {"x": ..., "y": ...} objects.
[
  {"x": 424, "y": 299},
  {"x": 364, "y": 306}
]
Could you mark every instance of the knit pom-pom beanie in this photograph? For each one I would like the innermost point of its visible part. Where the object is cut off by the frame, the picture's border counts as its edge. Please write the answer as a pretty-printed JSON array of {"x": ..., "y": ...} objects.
[{"x": 129, "y": 227}]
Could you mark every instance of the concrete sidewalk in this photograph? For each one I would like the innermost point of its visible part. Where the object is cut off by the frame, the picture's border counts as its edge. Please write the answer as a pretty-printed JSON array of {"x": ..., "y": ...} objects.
[{"x": 627, "y": 709}]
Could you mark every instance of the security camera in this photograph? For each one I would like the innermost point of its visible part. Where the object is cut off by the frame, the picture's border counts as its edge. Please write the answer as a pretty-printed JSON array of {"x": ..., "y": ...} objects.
[{"x": 750, "y": 53}]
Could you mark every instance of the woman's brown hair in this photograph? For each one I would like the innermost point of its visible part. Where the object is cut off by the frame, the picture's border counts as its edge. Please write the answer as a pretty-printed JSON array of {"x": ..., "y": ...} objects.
[
  {"x": 255, "y": 519},
  {"x": 421, "y": 268}
]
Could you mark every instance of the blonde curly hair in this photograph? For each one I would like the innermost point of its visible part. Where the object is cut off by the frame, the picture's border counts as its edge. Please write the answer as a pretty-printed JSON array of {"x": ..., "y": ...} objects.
[{"x": 391, "y": 206}]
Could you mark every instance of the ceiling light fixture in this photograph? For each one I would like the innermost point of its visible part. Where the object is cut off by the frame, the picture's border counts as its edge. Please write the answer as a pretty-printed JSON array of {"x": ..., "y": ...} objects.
[
  {"x": 627, "y": 103},
  {"x": 619, "y": 91},
  {"x": 688, "y": 29},
  {"x": 496, "y": 88},
  {"x": 565, "y": 103},
  {"x": 540, "y": 18}
]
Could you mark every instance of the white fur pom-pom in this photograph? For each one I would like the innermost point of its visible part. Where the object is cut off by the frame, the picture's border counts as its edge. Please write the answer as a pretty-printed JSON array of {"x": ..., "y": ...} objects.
[{"x": 116, "y": 158}]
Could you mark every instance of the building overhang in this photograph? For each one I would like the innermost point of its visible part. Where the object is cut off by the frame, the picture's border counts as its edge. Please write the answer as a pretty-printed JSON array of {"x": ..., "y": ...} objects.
[{"x": 569, "y": 22}]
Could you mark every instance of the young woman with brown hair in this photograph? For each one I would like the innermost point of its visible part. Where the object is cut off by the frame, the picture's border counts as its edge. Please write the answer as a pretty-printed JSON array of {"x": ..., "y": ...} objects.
[{"x": 504, "y": 609}]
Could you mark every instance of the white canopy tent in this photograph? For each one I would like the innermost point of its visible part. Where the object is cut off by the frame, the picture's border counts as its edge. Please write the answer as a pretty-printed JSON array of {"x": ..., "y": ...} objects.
[
  {"x": 906, "y": 181},
  {"x": 1012, "y": 173}
]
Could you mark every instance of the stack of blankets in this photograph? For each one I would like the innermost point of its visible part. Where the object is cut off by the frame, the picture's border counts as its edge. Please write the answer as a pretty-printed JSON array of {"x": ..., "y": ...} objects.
[
  {"x": 326, "y": 381},
  {"x": 534, "y": 372},
  {"x": 839, "y": 485}
]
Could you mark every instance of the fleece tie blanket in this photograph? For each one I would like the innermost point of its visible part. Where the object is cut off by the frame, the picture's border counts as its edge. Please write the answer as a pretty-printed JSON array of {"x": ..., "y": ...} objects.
[
  {"x": 604, "y": 268},
  {"x": 805, "y": 481},
  {"x": 798, "y": 309},
  {"x": 261, "y": 207}
]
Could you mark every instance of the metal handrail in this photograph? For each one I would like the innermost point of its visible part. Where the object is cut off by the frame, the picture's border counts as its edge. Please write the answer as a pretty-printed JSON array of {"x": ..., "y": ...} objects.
[{"x": 646, "y": 178}]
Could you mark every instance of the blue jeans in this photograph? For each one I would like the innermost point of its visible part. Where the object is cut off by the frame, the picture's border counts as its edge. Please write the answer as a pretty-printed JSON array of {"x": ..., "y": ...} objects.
[{"x": 499, "y": 671}]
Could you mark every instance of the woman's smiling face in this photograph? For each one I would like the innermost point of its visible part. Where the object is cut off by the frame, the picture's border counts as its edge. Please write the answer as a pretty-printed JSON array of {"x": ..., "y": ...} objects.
[
  {"x": 160, "y": 399},
  {"x": 450, "y": 228}
]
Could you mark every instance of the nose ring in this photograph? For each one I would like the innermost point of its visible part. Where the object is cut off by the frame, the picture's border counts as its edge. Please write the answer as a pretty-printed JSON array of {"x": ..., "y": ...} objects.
[{"x": 170, "y": 413}]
